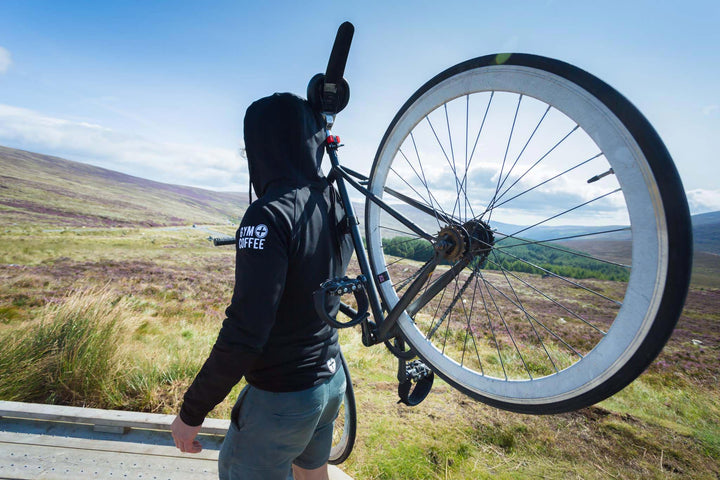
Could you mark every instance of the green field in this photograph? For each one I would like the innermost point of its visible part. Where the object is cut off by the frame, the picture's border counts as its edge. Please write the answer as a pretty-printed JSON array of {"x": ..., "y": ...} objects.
[{"x": 124, "y": 317}]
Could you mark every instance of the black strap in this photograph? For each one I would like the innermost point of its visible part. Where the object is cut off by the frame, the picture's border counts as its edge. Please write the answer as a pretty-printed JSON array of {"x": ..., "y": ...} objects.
[{"x": 412, "y": 397}]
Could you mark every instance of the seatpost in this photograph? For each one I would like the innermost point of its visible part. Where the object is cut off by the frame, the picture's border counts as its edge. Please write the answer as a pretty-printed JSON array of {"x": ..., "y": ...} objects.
[{"x": 329, "y": 121}]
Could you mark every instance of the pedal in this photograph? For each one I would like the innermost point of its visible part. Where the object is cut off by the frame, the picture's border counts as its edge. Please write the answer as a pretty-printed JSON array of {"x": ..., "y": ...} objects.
[
  {"x": 338, "y": 287},
  {"x": 418, "y": 374},
  {"x": 341, "y": 286},
  {"x": 417, "y": 370}
]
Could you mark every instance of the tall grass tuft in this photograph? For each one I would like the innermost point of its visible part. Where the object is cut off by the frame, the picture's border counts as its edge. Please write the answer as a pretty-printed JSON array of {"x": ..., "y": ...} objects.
[{"x": 70, "y": 356}]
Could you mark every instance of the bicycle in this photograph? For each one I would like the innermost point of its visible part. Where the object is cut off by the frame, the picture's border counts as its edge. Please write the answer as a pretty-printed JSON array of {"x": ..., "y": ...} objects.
[{"x": 557, "y": 309}]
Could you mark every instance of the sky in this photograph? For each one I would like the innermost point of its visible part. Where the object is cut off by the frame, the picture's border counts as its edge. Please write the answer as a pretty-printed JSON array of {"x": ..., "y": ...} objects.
[{"x": 159, "y": 89}]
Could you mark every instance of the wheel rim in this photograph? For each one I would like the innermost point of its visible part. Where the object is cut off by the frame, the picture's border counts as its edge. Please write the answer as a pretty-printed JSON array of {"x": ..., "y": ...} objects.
[
  {"x": 519, "y": 379},
  {"x": 340, "y": 431}
]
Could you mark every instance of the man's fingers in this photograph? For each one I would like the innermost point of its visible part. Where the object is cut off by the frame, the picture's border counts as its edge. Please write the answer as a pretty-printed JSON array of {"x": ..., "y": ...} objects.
[
  {"x": 189, "y": 446},
  {"x": 184, "y": 436}
]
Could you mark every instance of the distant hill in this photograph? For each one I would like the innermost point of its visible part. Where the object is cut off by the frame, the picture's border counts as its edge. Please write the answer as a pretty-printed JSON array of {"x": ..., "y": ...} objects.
[
  {"x": 612, "y": 246},
  {"x": 706, "y": 232},
  {"x": 50, "y": 191}
]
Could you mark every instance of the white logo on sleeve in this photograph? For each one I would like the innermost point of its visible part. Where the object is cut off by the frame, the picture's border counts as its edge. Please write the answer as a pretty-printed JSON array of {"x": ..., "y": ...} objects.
[
  {"x": 261, "y": 231},
  {"x": 252, "y": 237},
  {"x": 332, "y": 366}
]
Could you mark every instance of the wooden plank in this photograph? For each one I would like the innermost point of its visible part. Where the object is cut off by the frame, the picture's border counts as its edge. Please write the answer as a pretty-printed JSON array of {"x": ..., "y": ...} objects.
[
  {"x": 56, "y": 442},
  {"x": 20, "y": 461},
  {"x": 69, "y": 443},
  {"x": 58, "y": 463},
  {"x": 107, "y": 418}
]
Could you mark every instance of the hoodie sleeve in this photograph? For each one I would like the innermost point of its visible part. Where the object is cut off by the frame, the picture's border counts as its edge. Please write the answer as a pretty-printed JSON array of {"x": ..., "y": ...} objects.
[{"x": 262, "y": 244}]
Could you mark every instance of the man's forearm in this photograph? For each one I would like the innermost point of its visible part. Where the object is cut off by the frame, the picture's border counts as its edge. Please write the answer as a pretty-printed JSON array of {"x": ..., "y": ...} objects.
[{"x": 222, "y": 370}]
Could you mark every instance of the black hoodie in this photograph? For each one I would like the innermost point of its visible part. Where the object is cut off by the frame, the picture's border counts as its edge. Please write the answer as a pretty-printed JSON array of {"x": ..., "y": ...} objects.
[{"x": 288, "y": 243}]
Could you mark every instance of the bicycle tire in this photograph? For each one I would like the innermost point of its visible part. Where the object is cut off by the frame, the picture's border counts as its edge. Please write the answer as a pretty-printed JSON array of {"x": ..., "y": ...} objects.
[
  {"x": 540, "y": 341},
  {"x": 345, "y": 427}
]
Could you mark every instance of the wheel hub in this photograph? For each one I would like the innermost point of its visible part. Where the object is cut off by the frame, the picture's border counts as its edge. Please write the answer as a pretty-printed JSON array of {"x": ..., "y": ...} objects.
[
  {"x": 474, "y": 237},
  {"x": 453, "y": 242}
]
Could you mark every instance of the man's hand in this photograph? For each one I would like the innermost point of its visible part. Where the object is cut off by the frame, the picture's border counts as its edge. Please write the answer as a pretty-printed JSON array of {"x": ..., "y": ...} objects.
[{"x": 184, "y": 436}]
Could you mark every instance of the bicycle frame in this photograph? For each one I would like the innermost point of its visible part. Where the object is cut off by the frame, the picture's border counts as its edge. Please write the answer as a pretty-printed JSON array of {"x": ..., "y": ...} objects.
[{"x": 383, "y": 328}]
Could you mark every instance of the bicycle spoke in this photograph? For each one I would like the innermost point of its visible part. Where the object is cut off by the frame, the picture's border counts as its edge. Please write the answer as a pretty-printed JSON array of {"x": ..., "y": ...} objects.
[
  {"x": 564, "y": 212},
  {"x": 498, "y": 205},
  {"x": 527, "y": 316},
  {"x": 507, "y": 148},
  {"x": 421, "y": 279},
  {"x": 469, "y": 329},
  {"x": 564, "y": 279},
  {"x": 405, "y": 281},
  {"x": 545, "y": 244},
  {"x": 451, "y": 164},
  {"x": 435, "y": 314},
  {"x": 404, "y": 232},
  {"x": 467, "y": 131},
  {"x": 400, "y": 259},
  {"x": 423, "y": 181},
  {"x": 555, "y": 239},
  {"x": 517, "y": 159},
  {"x": 482, "y": 124},
  {"x": 458, "y": 184},
  {"x": 472, "y": 153},
  {"x": 452, "y": 152},
  {"x": 387, "y": 189},
  {"x": 449, "y": 313},
  {"x": 571, "y": 312},
  {"x": 492, "y": 328},
  {"x": 451, "y": 306},
  {"x": 422, "y": 170},
  {"x": 422, "y": 207},
  {"x": 491, "y": 205},
  {"x": 538, "y": 322},
  {"x": 463, "y": 187},
  {"x": 505, "y": 324}
]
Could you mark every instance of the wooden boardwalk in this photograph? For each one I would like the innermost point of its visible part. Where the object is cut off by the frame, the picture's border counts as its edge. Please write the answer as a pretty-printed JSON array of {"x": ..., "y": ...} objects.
[{"x": 54, "y": 442}]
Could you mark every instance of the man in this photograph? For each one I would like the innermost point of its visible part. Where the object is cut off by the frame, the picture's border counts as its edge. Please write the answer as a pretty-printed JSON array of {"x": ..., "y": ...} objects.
[{"x": 288, "y": 243}]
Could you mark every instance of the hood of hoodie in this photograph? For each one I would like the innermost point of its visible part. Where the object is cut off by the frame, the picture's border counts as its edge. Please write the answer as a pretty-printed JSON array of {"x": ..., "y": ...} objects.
[{"x": 283, "y": 143}]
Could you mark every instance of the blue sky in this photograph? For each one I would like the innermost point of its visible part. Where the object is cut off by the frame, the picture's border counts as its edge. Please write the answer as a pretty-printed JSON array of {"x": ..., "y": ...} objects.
[{"x": 159, "y": 89}]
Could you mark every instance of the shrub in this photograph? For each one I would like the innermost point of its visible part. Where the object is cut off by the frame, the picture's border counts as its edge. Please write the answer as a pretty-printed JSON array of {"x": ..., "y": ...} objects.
[{"x": 69, "y": 357}]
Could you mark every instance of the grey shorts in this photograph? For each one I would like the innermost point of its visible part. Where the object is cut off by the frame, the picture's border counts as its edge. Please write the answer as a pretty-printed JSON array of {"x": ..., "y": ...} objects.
[{"x": 270, "y": 431}]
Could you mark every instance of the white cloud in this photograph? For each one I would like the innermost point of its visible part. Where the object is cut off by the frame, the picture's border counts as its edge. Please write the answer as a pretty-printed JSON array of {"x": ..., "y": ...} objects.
[
  {"x": 702, "y": 201},
  {"x": 193, "y": 165},
  {"x": 5, "y": 60}
]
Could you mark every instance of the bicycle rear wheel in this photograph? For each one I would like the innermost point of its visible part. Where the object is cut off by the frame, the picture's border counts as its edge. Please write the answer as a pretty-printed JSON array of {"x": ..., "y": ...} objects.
[
  {"x": 564, "y": 216},
  {"x": 345, "y": 427}
]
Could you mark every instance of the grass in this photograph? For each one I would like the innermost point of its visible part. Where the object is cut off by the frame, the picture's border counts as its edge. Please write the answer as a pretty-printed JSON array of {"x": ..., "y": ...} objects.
[
  {"x": 69, "y": 356},
  {"x": 123, "y": 318}
]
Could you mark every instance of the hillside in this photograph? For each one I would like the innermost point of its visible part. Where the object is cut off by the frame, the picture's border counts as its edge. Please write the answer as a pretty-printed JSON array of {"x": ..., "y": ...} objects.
[
  {"x": 50, "y": 191},
  {"x": 706, "y": 232}
]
